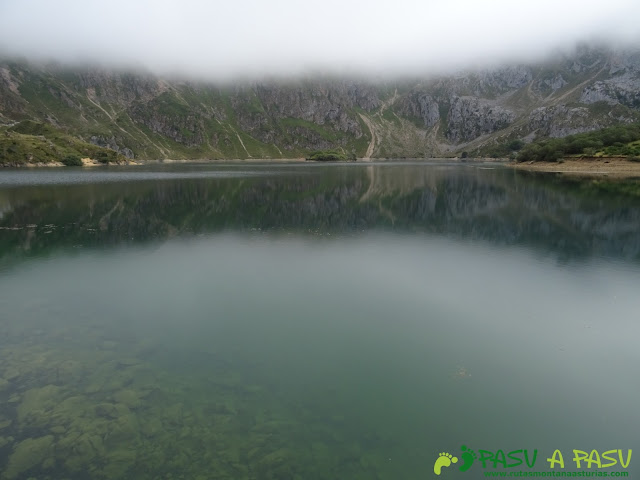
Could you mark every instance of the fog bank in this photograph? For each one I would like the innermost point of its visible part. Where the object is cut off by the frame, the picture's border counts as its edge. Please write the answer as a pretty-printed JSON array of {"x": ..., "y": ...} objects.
[{"x": 223, "y": 39}]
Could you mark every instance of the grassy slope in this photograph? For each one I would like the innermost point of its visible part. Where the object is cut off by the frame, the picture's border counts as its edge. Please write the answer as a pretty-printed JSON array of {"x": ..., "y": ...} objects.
[
  {"x": 618, "y": 141},
  {"x": 33, "y": 142}
]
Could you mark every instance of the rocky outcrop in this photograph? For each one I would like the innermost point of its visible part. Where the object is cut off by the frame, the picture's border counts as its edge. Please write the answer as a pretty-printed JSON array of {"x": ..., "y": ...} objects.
[
  {"x": 555, "y": 83},
  {"x": 322, "y": 104},
  {"x": 121, "y": 89},
  {"x": 112, "y": 143},
  {"x": 304, "y": 115},
  {"x": 622, "y": 89},
  {"x": 560, "y": 121},
  {"x": 623, "y": 86},
  {"x": 420, "y": 105},
  {"x": 506, "y": 78},
  {"x": 470, "y": 117},
  {"x": 10, "y": 99}
]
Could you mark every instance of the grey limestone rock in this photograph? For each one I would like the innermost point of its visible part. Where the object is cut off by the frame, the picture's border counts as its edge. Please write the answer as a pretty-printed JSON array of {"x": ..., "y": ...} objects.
[
  {"x": 421, "y": 105},
  {"x": 470, "y": 117},
  {"x": 560, "y": 121},
  {"x": 112, "y": 143}
]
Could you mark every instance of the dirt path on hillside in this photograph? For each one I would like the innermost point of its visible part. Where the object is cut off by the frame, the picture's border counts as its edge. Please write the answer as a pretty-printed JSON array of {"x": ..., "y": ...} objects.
[
  {"x": 375, "y": 135},
  {"x": 386, "y": 104},
  {"x": 372, "y": 143}
]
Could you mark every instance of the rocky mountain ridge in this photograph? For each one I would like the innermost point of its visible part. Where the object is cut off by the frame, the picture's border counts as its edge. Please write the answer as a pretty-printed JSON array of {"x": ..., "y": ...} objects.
[{"x": 148, "y": 117}]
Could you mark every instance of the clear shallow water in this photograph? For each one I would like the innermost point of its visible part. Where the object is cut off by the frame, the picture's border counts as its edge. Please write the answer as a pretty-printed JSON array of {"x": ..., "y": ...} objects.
[{"x": 311, "y": 322}]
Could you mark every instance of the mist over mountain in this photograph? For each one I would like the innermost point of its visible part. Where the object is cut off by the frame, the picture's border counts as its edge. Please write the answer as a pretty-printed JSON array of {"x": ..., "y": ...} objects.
[
  {"x": 224, "y": 40},
  {"x": 152, "y": 117}
]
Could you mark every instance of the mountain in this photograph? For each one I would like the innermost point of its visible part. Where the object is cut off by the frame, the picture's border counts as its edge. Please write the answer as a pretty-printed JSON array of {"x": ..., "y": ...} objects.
[{"x": 148, "y": 117}]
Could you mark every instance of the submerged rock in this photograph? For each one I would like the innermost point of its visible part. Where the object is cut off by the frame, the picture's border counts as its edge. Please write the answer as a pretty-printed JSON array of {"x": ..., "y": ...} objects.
[
  {"x": 128, "y": 397},
  {"x": 151, "y": 427},
  {"x": 4, "y": 423},
  {"x": 106, "y": 410},
  {"x": 128, "y": 362},
  {"x": 36, "y": 406},
  {"x": 124, "y": 430},
  {"x": 29, "y": 454},
  {"x": 11, "y": 373},
  {"x": 58, "y": 429},
  {"x": 118, "y": 462}
]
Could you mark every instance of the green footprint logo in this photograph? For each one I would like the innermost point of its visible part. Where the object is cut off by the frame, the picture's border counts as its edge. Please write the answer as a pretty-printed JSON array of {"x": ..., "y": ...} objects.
[
  {"x": 468, "y": 456},
  {"x": 444, "y": 460}
]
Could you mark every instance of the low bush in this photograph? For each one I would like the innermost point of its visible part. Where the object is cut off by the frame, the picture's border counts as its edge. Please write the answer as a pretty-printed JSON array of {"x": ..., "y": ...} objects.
[{"x": 72, "y": 161}]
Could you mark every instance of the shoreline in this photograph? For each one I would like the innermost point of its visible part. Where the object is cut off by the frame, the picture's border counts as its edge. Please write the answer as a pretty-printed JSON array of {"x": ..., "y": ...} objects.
[
  {"x": 87, "y": 162},
  {"x": 599, "y": 167},
  {"x": 610, "y": 167}
]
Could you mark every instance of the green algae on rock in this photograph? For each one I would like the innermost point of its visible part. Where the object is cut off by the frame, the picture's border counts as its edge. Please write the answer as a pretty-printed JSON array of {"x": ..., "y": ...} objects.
[
  {"x": 138, "y": 419},
  {"x": 4, "y": 423},
  {"x": 37, "y": 404},
  {"x": 28, "y": 454}
]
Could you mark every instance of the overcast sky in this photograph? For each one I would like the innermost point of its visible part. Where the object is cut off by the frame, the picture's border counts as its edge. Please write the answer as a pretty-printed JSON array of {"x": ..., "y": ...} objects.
[{"x": 226, "y": 38}]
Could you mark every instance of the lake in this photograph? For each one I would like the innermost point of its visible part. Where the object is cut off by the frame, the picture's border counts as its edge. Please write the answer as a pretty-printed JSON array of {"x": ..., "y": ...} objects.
[{"x": 305, "y": 321}]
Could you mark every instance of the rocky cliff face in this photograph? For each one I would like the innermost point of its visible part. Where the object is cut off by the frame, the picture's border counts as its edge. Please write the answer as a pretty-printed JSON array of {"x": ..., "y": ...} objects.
[
  {"x": 302, "y": 106},
  {"x": 621, "y": 86},
  {"x": 140, "y": 115},
  {"x": 422, "y": 106},
  {"x": 471, "y": 117},
  {"x": 560, "y": 120}
]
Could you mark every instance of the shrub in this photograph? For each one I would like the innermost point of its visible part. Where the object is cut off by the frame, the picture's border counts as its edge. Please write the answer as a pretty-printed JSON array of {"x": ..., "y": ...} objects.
[
  {"x": 72, "y": 161},
  {"x": 612, "y": 141},
  {"x": 103, "y": 157},
  {"x": 515, "y": 145},
  {"x": 329, "y": 156}
]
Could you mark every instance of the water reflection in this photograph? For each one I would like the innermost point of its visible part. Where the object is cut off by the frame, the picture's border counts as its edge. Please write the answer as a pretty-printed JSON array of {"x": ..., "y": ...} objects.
[{"x": 495, "y": 205}]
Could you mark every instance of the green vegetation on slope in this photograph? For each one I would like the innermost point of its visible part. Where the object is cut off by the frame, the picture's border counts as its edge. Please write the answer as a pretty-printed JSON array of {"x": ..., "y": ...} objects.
[
  {"x": 331, "y": 156},
  {"x": 34, "y": 142},
  {"x": 620, "y": 140},
  {"x": 503, "y": 150}
]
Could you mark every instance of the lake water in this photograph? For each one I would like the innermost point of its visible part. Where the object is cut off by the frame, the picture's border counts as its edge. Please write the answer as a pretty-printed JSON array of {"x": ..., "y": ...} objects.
[{"x": 299, "y": 321}]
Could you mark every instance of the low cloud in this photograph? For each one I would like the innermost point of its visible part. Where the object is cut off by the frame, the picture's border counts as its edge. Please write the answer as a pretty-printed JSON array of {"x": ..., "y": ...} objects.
[{"x": 226, "y": 39}]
